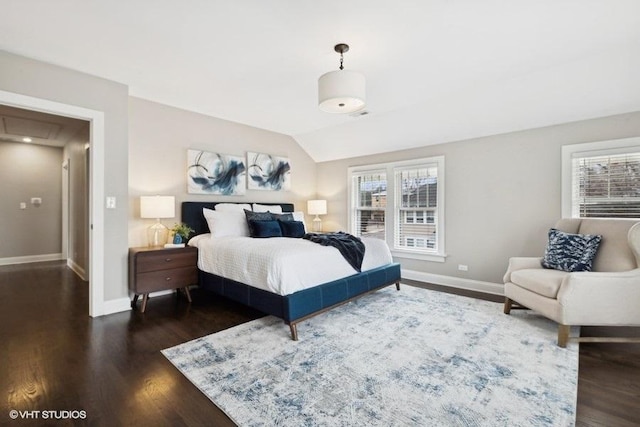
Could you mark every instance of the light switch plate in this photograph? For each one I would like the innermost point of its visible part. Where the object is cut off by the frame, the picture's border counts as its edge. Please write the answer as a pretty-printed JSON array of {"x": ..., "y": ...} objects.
[{"x": 111, "y": 202}]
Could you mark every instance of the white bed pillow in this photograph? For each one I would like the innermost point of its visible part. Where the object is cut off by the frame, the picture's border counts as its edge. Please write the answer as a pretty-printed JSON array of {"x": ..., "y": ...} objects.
[
  {"x": 221, "y": 223},
  {"x": 232, "y": 207},
  {"x": 267, "y": 208}
]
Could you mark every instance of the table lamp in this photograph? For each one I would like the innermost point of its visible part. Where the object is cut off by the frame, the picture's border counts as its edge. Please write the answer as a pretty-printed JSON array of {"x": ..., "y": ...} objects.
[
  {"x": 317, "y": 207},
  {"x": 157, "y": 207}
]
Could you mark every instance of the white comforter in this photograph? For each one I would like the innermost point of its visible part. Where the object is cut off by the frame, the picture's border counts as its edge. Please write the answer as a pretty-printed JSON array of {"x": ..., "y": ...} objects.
[{"x": 281, "y": 265}]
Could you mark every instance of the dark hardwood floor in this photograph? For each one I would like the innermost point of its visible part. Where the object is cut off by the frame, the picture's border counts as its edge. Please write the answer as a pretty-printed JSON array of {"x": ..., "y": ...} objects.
[{"x": 54, "y": 357}]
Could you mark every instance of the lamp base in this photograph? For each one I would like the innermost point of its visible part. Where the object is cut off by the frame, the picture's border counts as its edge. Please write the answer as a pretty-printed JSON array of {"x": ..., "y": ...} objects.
[
  {"x": 157, "y": 234},
  {"x": 317, "y": 224}
]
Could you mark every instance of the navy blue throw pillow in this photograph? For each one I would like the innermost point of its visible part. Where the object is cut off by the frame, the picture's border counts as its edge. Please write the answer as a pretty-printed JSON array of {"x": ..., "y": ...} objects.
[
  {"x": 570, "y": 252},
  {"x": 253, "y": 217},
  {"x": 291, "y": 228},
  {"x": 264, "y": 229}
]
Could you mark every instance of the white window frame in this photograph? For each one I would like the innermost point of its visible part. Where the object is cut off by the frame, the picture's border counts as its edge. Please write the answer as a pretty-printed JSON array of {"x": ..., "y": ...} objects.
[
  {"x": 599, "y": 148},
  {"x": 392, "y": 211}
]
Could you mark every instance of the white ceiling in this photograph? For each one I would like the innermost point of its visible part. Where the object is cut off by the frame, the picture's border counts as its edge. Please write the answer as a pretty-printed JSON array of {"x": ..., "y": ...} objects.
[{"x": 437, "y": 70}]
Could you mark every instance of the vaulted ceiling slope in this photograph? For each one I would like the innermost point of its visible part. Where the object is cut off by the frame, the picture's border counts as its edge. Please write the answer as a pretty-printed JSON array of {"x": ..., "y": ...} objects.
[{"x": 437, "y": 70}]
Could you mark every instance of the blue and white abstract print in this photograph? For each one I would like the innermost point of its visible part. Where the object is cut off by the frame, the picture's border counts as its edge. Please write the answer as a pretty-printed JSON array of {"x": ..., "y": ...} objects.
[
  {"x": 267, "y": 172},
  {"x": 215, "y": 173}
]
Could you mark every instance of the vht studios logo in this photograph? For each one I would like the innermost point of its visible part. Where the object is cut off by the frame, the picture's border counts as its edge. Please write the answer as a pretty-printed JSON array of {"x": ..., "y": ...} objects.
[{"x": 48, "y": 415}]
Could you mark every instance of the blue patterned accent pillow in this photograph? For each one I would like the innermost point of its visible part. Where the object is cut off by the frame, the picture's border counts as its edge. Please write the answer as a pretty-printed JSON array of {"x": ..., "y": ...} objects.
[
  {"x": 258, "y": 216},
  {"x": 570, "y": 252},
  {"x": 283, "y": 217}
]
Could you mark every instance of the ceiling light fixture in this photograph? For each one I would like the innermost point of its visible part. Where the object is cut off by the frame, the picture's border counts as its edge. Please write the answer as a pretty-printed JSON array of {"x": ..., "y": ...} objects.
[
  {"x": 27, "y": 139},
  {"x": 341, "y": 91}
]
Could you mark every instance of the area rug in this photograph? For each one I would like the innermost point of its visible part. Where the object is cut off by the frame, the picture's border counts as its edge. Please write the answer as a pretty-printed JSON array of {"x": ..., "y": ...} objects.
[{"x": 413, "y": 357}]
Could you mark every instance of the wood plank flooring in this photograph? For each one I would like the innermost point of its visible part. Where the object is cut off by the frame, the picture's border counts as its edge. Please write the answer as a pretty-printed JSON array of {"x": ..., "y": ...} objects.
[{"x": 54, "y": 357}]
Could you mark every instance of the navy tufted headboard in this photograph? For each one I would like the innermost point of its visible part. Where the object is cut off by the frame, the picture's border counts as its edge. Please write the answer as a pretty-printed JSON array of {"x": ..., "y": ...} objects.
[{"x": 191, "y": 213}]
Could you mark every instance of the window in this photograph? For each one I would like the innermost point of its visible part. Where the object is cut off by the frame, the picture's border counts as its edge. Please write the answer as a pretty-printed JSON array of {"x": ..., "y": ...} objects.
[
  {"x": 369, "y": 204},
  {"x": 402, "y": 203},
  {"x": 602, "y": 179}
]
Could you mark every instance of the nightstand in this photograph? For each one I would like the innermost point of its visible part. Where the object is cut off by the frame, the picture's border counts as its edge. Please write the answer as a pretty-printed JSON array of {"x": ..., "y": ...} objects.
[{"x": 159, "y": 269}]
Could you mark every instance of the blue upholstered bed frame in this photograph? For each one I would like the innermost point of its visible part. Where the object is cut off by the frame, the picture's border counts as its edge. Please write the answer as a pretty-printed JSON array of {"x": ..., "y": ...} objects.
[{"x": 301, "y": 305}]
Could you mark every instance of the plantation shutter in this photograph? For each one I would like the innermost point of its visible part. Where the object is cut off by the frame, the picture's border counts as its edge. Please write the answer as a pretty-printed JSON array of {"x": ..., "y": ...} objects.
[
  {"x": 416, "y": 190},
  {"x": 606, "y": 186}
]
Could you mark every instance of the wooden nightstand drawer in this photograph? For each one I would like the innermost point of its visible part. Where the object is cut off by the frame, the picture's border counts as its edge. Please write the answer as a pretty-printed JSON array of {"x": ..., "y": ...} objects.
[
  {"x": 166, "y": 279},
  {"x": 158, "y": 269},
  {"x": 159, "y": 260}
]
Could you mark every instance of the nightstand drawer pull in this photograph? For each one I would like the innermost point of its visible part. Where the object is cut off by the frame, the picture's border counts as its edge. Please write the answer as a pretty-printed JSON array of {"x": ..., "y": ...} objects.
[
  {"x": 168, "y": 260},
  {"x": 167, "y": 279}
]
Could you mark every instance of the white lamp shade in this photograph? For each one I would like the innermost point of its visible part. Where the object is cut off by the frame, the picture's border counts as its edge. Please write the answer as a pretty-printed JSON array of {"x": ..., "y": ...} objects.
[
  {"x": 341, "y": 91},
  {"x": 317, "y": 207},
  {"x": 157, "y": 207}
]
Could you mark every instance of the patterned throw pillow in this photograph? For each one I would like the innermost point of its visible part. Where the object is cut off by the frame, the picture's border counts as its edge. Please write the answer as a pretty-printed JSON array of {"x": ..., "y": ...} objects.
[{"x": 570, "y": 252}]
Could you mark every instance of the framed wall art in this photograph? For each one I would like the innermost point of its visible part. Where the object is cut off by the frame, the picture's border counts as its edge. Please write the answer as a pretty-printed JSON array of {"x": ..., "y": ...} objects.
[
  {"x": 215, "y": 173},
  {"x": 267, "y": 172}
]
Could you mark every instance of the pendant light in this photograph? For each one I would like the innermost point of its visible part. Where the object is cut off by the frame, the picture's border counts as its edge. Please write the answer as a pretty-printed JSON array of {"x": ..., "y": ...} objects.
[{"x": 341, "y": 91}]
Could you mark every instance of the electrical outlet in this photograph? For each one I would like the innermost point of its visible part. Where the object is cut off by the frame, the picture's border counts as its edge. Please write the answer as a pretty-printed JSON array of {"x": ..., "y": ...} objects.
[
  {"x": 463, "y": 267},
  {"x": 23, "y": 205}
]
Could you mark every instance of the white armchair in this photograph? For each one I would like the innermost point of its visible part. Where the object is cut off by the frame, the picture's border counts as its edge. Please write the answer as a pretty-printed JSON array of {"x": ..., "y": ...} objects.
[{"x": 607, "y": 296}]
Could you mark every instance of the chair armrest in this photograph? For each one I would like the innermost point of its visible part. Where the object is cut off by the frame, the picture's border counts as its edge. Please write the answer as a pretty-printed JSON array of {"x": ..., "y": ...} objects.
[
  {"x": 601, "y": 298},
  {"x": 521, "y": 263}
]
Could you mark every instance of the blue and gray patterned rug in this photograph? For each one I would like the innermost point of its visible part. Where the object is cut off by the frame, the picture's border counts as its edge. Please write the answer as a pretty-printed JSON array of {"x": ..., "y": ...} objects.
[{"x": 414, "y": 357}]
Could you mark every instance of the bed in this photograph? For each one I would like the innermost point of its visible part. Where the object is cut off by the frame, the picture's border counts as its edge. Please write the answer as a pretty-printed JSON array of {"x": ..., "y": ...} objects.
[{"x": 293, "y": 307}]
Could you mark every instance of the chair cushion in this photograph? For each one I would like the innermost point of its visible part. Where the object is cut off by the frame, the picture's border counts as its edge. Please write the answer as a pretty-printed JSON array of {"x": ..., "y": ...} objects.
[
  {"x": 538, "y": 280},
  {"x": 570, "y": 252}
]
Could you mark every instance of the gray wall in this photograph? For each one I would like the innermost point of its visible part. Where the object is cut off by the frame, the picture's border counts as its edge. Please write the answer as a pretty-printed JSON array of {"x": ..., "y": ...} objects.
[
  {"x": 159, "y": 138},
  {"x": 76, "y": 154},
  {"x": 502, "y": 192},
  {"x": 26, "y": 171},
  {"x": 41, "y": 80}
]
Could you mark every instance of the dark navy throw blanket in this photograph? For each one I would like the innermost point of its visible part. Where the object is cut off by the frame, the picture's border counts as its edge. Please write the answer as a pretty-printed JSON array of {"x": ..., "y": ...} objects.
[{"x": 351, "y": 247}]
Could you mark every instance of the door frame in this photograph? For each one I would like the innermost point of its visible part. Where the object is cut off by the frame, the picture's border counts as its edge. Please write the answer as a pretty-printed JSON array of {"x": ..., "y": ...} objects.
[{"x": 96, "y": 184}]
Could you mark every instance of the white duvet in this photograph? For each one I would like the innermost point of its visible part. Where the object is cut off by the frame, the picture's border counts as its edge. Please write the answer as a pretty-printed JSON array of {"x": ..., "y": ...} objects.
[{"x": 281, "y": 265}]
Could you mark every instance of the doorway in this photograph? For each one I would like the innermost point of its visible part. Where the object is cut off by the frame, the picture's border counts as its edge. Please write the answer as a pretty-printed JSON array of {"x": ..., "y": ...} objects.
[{"x": 96, "y": 184}]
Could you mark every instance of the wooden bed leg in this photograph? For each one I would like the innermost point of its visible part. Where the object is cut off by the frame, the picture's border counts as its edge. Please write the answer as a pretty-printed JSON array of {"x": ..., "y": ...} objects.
[
  {"x": 294, "y": 331},
  {"x": 398, "y": 286}
]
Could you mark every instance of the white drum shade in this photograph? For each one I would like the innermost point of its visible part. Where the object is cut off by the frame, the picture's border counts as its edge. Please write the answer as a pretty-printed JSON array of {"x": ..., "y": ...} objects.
[
  {"x": 341, "y": 91},
  {"x": 157, "y": 207}
]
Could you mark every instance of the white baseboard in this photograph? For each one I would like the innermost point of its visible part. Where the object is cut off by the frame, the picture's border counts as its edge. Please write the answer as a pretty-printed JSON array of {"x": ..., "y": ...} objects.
[
  {"x": 117, "y": 305},
  {"x": 454, "y": 282},
  {"x": 30, "y": 258},
  {"x": 124, "y": 304},
  {"x": 77, "y": 269}
]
